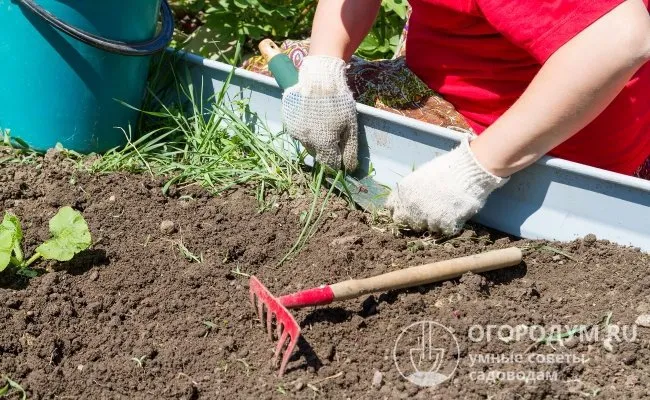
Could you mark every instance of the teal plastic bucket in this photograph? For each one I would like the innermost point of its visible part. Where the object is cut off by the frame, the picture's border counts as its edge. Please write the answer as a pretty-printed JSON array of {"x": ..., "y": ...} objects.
[{"x": 67, "y": 65}]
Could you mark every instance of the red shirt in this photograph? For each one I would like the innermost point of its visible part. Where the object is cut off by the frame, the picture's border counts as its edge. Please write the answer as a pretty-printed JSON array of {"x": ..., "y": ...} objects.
[{"x": 481, "y": 55}]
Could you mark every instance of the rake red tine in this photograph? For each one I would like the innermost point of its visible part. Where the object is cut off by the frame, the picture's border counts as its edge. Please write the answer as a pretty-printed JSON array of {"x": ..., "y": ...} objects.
[
  {"x": 260, "y": 311},
  {"x": 279, "y": 346},
  {"x": 293, "y": 341},
  {"x": 292, "y": 331},
  {"x": 286, "y": 325},
  {"x": 257, "y": 306},
  {"x": 269, "y": 323}
]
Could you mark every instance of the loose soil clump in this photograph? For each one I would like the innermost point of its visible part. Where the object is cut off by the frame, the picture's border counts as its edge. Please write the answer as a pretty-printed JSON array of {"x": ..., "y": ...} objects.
[{"x": 159, "y": 307}]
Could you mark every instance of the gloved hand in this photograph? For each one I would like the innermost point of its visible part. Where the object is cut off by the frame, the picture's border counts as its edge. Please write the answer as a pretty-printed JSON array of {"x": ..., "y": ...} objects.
[
  {"x": 444, "y": 193},
  {"x": 320, "y": 112}
]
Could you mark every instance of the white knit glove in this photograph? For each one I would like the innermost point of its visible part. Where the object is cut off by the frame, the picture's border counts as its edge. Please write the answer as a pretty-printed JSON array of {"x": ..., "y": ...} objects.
[
  {"x": 320, "y": 112},
  {"x": 444, "y": 193}
]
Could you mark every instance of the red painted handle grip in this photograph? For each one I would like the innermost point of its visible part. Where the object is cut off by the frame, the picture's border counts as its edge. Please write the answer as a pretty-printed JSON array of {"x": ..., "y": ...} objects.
[{"x": 310, "y": 297}]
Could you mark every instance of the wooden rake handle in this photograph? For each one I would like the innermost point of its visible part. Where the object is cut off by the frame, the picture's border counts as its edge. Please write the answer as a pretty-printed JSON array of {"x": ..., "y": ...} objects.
[{"x": 427, "y": 273}]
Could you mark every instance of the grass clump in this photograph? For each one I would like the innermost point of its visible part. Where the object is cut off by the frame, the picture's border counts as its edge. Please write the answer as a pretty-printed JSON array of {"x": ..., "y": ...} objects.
[{"x": 211, "y": 144}]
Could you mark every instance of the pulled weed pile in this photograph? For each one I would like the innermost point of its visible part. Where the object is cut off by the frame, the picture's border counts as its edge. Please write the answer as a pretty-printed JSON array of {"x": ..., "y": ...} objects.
[{"x": 212, "y": 145}]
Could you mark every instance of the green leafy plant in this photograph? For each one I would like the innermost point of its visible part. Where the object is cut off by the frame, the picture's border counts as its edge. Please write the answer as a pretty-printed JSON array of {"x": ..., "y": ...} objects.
[
  {"x": 69, "y": 236},
  {"x": 231, "y": 28},
  {"x": 188, "y": 6},
  {"x": 383, "y": 39},
  {"x": 228, "y": 24}
]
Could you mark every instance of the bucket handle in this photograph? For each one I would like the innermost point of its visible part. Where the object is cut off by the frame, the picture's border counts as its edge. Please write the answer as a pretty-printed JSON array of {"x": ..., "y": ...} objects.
[{"x": 143, "y": 48}]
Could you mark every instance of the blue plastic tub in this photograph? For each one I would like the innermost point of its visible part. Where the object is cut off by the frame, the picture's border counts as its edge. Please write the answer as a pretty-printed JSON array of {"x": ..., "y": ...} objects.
[{"x": 68, "y": 64}]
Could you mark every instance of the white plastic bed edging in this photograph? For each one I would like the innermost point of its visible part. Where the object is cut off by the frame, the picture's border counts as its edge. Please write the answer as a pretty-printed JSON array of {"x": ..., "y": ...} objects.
[{"x": 553, "y": 199}]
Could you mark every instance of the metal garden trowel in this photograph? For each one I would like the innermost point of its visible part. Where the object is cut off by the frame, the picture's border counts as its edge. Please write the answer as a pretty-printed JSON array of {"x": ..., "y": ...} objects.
[{"x": 364, "y": 191}]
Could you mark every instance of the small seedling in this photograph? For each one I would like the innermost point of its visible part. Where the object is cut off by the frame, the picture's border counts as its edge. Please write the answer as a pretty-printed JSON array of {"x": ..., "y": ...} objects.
[
  {"x": 13, "y": 141},
  {"x": 10, "y": 387},
  {"x": 69, "y": 236},
  {"x": 187, "y": 254},
  {"x": 238, "y": 271},
  {"x": 210, "y": 325},
  {"x": 606, "y": 320},
  {"x": 561, "y": 336}
]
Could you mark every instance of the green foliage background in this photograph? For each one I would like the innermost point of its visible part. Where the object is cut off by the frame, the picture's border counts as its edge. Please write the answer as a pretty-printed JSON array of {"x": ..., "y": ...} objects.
[{"x": 232, "y": 28}]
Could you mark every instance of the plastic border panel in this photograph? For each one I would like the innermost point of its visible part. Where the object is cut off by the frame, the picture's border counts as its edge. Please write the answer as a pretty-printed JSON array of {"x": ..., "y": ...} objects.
[{"x": 553, "y": 199}]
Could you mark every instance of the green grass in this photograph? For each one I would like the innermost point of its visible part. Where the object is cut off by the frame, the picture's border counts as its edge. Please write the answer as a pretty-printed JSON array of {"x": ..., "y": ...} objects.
[
  {"x": 17, "y": 151},
  {"x": 537, "y": 247},
  {"x": 210, "y": 144},
  {"x": 312, "y": 222}
]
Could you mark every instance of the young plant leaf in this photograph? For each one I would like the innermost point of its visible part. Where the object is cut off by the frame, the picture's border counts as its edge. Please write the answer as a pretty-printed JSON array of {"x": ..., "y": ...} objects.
[
  {"x": 26, "y": 272},
  {"x": 6, "y": 247},
  {"x": 70, "y": 235},
  {"x": 5, "y": 390},
  {"x": 12, "y": 224}
]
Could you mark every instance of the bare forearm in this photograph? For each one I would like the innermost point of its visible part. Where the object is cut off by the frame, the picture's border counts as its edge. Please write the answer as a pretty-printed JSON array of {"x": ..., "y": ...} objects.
[
  {"x": 571, "y": 89},
  {"x": 341, "y": 25}
]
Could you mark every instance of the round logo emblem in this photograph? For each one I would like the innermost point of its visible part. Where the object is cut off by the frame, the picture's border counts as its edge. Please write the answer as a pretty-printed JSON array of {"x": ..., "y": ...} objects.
[{"x": 426, "y": 353}]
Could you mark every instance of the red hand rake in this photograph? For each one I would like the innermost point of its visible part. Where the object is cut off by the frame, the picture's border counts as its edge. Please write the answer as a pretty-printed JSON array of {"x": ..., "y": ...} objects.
[{"x": 287, "y": 327}]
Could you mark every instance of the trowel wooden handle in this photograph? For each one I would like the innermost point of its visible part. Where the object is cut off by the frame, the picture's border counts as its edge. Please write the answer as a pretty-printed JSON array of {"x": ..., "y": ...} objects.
[
  {"x": 428, "y": 273},
  {"x": 269, "y": 49},
  {"x": 280, "y": 65}
]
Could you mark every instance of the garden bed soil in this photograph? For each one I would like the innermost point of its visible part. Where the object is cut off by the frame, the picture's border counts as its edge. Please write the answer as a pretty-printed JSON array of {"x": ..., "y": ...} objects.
[{"x": 133, "y": 318}]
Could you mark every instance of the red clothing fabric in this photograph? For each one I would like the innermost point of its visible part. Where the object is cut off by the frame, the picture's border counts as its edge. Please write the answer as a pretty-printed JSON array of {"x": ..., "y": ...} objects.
[{"x": 481, "y": 55}]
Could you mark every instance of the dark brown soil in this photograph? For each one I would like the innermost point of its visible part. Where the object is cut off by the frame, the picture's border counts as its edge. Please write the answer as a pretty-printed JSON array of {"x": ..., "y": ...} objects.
[{"x": 127, "y": 319}]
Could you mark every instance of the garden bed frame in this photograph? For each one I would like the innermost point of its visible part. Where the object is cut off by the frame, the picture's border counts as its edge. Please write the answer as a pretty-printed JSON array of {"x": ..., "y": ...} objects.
[{"x": 553, "y": 199}]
